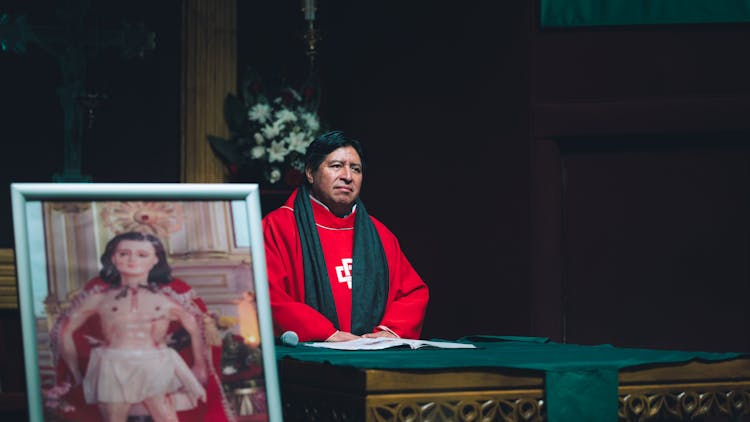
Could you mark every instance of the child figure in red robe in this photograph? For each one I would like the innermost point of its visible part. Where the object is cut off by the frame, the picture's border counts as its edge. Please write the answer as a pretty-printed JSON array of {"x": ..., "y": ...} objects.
[{"x": 134, "y": 342}]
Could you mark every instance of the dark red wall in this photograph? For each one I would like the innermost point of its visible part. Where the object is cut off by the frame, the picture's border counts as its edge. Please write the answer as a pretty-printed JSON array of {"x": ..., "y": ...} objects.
[{"x": 438, "y": 96}]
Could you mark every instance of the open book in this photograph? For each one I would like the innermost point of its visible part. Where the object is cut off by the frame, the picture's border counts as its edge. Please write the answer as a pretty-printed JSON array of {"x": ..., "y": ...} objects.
[{"x": 380, "y": 343}]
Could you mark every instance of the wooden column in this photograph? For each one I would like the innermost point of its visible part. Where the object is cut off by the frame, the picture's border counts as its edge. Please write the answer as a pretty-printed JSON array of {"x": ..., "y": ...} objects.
[{"x": 209, "y": 73}]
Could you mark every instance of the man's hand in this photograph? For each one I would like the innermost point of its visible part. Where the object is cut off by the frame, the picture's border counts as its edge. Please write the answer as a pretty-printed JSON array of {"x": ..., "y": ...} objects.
[
  {"x": 377, "y": 334},
  {"x": 342, "y": 336}
]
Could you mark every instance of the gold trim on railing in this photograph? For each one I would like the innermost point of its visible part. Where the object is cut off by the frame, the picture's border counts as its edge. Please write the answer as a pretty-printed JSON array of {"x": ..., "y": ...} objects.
[
  {"x": 684, "y": 405},
  {"x": 471, "y": 409}
]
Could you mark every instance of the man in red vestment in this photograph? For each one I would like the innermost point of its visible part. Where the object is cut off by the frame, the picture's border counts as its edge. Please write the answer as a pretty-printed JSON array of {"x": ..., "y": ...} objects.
[{"x": 335, "y": 273}]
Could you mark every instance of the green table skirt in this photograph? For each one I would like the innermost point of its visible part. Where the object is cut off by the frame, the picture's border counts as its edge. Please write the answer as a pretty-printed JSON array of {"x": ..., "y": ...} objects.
[{"x": 580, "y": 381}]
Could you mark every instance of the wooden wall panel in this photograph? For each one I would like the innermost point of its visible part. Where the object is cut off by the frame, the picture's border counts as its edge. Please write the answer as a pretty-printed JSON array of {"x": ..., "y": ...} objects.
[
  {"x": 653, "y": 136},
  {"x": 8, "y": 289}
]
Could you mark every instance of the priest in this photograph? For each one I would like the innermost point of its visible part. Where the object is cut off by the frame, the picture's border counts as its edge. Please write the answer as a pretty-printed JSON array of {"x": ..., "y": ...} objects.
[{"x": 336, "y": 273}]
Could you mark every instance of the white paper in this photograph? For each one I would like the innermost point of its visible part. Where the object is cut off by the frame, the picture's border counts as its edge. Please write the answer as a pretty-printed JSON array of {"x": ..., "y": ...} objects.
[{"x": 380, "y": 343}]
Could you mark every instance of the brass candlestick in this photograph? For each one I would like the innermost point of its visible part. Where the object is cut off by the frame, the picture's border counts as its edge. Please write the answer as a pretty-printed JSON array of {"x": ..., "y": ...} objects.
[{"x": 312, "y": 36}]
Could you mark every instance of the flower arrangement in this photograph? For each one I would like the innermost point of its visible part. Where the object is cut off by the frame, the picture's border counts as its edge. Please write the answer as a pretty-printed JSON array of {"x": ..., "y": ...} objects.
[{"x": 269, "y": 134}]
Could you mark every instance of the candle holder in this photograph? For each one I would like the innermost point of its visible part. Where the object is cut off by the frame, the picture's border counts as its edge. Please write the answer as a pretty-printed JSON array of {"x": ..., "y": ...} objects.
[{"x": 312, "y": 35}]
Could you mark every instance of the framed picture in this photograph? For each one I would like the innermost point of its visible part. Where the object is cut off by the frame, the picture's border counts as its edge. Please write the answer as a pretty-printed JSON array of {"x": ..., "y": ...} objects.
[{"x": 144, "y": 301}]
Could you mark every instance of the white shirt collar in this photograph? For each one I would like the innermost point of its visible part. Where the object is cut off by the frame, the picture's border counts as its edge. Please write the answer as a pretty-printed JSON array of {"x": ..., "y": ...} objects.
[{"x": 354, "y": 208}]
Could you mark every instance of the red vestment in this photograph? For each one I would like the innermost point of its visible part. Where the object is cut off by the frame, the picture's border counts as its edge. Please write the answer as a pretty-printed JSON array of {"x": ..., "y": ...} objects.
[{"x": 407, "y": 293}]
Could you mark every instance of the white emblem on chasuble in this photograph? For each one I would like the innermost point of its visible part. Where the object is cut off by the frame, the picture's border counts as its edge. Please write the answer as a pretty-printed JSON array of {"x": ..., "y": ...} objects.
[{"x": 344, "y": 272}]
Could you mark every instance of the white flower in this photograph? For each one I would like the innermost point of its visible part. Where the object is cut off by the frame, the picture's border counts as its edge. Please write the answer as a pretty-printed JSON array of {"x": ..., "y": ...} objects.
[
  {"x": 277, "y": 152},
  {"x": 285, "y": 115},
  {"x": 279, "y": 134},
  {"x": 258, "y": 151},
  {"x": 298, "y": 142},
  {"x": 272, "y": 131},
  {"x": 311, "y": 120},
  {"x": 259, "y": 113},
  {"x": 275, "y": 175}
]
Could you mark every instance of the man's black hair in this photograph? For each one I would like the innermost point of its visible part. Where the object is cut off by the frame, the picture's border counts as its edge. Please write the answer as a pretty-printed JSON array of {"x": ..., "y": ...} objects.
[{"x": 327, "y": 143}]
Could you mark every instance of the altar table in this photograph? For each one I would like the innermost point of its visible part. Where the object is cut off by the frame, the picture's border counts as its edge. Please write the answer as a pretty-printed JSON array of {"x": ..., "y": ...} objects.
[{"x": 512, "y": 379}]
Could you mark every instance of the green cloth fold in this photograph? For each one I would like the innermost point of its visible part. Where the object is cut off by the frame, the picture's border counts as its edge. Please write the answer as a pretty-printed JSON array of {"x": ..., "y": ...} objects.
[
  {"x": 581, "y": 395},
  {"x": 476, "y": 338}
]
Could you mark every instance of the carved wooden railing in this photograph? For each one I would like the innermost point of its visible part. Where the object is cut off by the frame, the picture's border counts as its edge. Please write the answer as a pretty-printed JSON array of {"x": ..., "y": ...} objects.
[
  {"x": 678, "y": 392},
  {"x": 686, "y": 405}
]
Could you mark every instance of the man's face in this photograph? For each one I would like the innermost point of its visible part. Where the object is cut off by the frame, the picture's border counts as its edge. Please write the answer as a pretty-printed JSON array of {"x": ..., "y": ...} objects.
[
  {"x": 134, "y": 257},
  {"x": 337, "y": 181}
]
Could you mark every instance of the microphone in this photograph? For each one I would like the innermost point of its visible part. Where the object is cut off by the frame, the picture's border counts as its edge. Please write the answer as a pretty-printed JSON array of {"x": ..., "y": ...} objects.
[{"x": 289, "y": 338}]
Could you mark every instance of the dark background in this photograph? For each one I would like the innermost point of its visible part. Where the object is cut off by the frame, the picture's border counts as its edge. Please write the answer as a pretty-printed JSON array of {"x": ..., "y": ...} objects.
[{"x": 589, "y": 185}]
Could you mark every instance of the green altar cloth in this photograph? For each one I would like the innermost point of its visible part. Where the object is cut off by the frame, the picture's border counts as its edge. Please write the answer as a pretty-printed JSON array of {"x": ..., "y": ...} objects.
[{"x": 580, "y": 381}]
